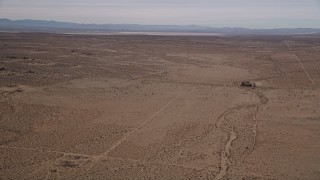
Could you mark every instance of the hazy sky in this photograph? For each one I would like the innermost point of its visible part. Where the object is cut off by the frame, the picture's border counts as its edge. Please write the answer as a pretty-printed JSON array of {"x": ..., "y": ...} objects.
[{"x": 217, "y": 13}]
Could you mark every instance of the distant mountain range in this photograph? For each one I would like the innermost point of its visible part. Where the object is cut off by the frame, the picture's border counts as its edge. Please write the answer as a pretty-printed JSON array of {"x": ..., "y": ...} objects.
[{"x": 7, "y": 25}]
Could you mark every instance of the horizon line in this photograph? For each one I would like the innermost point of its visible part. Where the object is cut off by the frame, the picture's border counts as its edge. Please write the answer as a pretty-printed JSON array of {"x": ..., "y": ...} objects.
[{"x": 186, "y": 25}]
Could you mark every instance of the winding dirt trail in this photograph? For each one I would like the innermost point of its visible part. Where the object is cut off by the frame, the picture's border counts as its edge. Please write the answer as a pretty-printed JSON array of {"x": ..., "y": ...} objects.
[
  {"x": 225, "y": 160},
  {"x": 225, "y": 154}
]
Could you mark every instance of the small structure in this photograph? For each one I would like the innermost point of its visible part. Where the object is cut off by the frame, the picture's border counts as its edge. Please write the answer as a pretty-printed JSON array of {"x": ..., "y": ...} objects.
[{"x": 247, "y": 84}]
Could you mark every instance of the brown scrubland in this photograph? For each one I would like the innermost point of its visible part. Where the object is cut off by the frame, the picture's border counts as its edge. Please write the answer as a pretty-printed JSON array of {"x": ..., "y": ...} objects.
[{"x": 159, "y": 107}]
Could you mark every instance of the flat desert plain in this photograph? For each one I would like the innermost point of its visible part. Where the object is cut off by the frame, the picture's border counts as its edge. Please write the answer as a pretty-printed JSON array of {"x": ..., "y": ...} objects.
[{"x": 159, "y": 107}]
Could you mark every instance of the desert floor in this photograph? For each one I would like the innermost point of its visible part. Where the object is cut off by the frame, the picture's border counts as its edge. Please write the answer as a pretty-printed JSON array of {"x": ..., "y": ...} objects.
[{"x": 159, "y": 107}]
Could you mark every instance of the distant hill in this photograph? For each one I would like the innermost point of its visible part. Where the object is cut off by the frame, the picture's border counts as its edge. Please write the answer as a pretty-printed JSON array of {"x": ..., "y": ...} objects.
[{"x": 67, "y": 27}]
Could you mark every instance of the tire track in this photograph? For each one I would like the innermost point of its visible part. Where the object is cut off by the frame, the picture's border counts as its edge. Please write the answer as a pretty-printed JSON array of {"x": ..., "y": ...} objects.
[
  {"x": 119, "y": 142},
  {"x": 304, "y": 69},
  {"x": 141, "y": 125},
  {"x": 302, "y": 66}
]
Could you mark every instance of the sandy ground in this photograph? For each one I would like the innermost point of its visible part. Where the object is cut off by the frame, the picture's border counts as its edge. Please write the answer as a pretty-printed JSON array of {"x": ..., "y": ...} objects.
[{"x": 159, "y": 107}]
